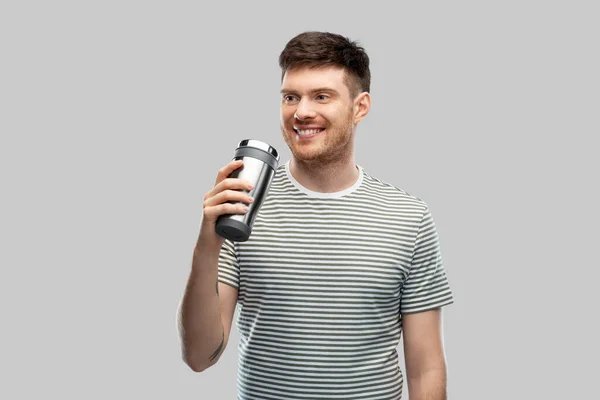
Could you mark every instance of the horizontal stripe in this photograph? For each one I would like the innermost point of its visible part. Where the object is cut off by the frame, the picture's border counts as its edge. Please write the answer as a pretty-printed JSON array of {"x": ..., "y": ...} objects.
[{"x": 322, "y": 285}]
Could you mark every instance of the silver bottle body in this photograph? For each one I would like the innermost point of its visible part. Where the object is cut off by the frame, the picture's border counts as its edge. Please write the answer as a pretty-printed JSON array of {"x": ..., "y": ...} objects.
[
  {"x": 259, "y": 163},
  {"x": 260, "y": 175}
]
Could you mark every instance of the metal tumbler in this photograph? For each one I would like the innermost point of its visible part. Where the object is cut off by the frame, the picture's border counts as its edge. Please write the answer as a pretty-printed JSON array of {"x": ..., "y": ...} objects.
[{"x": 259, "y": 164}]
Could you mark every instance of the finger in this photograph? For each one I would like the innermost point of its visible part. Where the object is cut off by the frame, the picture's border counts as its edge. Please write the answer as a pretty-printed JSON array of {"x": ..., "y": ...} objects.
[
  {"x": 228, "y": 196},
  {"x": 229, "y": 184},
  {"x": 212, "y": 213},
  {"x": 227, "y": 170}
]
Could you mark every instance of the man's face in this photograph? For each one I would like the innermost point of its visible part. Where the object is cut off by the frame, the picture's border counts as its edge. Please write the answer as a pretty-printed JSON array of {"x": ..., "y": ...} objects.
[{"x": 317, "y": 114}]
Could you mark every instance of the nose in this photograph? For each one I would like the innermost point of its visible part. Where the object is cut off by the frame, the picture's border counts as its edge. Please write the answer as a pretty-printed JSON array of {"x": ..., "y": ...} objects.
[{"x": 304, "y": 111}]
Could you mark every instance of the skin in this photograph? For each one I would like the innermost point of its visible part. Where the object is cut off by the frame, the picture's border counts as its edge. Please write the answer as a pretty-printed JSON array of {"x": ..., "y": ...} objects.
[
  {"x": 324, "y": 163},
  {"x": 320, "y": 97},
  {"x": 424, "y": 355}
]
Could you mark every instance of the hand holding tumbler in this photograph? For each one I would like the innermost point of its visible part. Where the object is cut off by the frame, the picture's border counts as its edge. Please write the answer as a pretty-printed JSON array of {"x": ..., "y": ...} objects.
[{"x": 259, "y": 164}]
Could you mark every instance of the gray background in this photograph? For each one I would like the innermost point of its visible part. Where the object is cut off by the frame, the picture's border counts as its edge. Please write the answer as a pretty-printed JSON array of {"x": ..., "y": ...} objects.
[{"x": 116, "y": 115}]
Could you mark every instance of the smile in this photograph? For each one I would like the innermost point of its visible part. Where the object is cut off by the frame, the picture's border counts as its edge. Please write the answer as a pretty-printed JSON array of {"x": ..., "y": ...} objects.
[{"x": 308, "y": 133}]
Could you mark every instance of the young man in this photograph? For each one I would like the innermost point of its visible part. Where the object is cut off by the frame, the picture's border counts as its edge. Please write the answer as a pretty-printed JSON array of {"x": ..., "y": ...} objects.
[{"x": 339, "y": 263}]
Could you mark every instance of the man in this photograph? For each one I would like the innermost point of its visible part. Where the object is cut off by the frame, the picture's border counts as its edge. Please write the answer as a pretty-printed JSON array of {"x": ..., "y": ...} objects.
[{"x": 339, "y": 263}]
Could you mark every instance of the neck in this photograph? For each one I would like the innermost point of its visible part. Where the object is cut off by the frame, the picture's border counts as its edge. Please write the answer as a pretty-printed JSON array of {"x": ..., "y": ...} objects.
[{"x": 322, "y": 177}]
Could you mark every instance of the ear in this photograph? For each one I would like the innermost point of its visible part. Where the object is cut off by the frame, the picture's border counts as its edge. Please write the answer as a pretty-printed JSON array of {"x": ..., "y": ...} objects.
[{"x": 362, "y": 105}]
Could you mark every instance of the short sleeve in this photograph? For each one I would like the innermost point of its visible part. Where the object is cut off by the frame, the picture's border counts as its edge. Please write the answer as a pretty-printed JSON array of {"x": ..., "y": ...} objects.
[
  {"x": 229, "y": 266},
  {"x": 426, "y": 286}
]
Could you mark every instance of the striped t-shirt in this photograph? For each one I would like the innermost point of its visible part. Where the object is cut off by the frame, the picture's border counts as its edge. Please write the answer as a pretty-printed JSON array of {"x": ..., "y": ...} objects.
[{"x": 323, "y": 282}]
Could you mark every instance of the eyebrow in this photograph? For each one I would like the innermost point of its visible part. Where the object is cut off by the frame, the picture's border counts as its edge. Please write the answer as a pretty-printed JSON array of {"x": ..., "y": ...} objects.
[{"x": 321, "y": 89}]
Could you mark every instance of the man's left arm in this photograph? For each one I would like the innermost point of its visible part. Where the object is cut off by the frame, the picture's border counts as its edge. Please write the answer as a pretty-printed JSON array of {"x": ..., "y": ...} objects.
[{"x": 424, "y": 355}]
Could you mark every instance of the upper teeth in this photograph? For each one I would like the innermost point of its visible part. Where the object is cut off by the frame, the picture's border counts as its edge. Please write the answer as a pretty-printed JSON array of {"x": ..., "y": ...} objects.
[{"x": 308, "y": 131}]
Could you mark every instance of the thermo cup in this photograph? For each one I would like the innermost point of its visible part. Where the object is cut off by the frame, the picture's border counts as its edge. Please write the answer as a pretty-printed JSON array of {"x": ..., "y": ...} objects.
[{"x": 259, "y": 164}]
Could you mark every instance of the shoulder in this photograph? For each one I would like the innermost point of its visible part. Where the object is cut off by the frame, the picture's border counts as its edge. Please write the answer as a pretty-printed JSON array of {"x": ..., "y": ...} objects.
[{"x": 391, "y": 193}]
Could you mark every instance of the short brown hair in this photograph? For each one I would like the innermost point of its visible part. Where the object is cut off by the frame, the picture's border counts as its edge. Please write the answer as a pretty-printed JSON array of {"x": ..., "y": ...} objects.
[{"x": 318, "y": 49}]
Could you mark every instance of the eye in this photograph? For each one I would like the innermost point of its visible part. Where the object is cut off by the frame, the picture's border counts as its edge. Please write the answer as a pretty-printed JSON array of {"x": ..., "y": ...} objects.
[
  {"x": 322, "y": 97},
  {"x": 288, "y": 98}
]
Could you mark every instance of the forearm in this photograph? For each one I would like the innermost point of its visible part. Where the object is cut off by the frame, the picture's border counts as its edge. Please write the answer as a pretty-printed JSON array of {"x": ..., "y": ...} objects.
[
  {"x": 429, "y": 385},
  {"x": 199, "y": 316}
]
